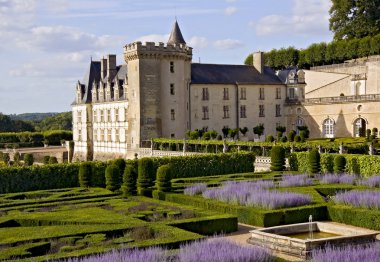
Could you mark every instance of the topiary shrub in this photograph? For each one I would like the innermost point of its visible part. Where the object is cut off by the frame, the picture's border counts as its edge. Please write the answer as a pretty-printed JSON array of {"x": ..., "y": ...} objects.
[
  {"x": 284, "y": 139},
  {"x": 146, "y": 173},
  {"x": 120, "y": 163},
  {"x": 339, "y": 164},
  {"x": 297, "y": 138},
  {"x": 84, "y": 176},
  {"x": 28, "y": 159},
  {"x": 53, "y": 160},
  {"x": 269, "y": 138},
  {"x": 368, "y": 134},
  {"x": 113, "y": 180},
  {"x": 293, "y": 162},
  {"x": 129, "y": 181},
  {"x": 292, "y": 135},
  {"x": 277, "y": 156},
  {"x": 45, "y": 160},
  {"x": 303, "y": 135},
  {"x": 163, "y": 181},
  {"x": 314, "y": 161}
]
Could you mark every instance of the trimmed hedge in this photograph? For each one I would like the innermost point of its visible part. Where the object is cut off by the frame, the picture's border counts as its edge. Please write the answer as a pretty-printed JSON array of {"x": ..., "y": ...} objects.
[
  {"x": 210, "y": 225},
  {"x": 277, "y": 155},
  {"x": 314, "y": 161},
  {"x": 113, "y": 179},
  {"x": 339, "y": 164},
  {"x": 145, "y": 177},
  {"x": 254, "y": 216},
  {"x": 360, "y": 217},
  {"x": 364, "y": 165},
  {"x": 85, "y": 174},
  {"x": 129, "y": 181},
  {"x": 163, "y": 183},
  {"x": 28, "y": 159},
  {"x": 30, "y": 139}
]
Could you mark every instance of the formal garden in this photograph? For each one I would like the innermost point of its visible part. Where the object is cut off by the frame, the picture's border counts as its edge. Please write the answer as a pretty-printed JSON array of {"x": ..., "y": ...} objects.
[{"x": 169, "y": 208}]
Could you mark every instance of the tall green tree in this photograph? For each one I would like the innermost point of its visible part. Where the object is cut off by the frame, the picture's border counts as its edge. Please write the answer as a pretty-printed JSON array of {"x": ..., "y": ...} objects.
[{"x": 354, "y": 18}]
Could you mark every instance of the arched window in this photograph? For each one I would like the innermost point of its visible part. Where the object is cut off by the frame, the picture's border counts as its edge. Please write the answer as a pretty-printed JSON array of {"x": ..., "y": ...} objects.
[
  {"x": 359, "y": 127},
  {"x": 328, "y": 128},
  {"x": 299, "y": 122}
]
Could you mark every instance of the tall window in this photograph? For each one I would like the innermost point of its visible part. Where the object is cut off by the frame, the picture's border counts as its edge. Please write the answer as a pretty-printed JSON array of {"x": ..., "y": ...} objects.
[
  {"x": 172, "y": 114},
  {"x": 205, "y": 96},
  {"x": 109, "y": 135},
  {"x": 278, "y": 92},
  {"x": 79, "y": 116},
  {"x": 243, "y": 111},
  {"x": 261, "y": 111},
  {"x": 278, "y": 110},
  {"x": 299, "y": 122},
  {"x": 101, "y": 116},
  {"x": 95, "y": 116},
  {"x": 243, "y": 93},
  {"x": 172, "y": 91},
  {"x": 101, "y": 135},
  {"x": 291, "y": 93},
  {"x": 109, "y": 115},
  {"x": 80, "y": 135},
  {"x": 225, "y": 94},
  {"x": 95, "y": 135},
  {"x": 328, "y": 128},
  {"x": 117, "y": 139},
  {"x": 261, "y": 93},
  {"x": 205, "y": 112},
  {"x": 116, "y": 114},
  {"x": 226, "y": 112},
  {"x": 171, "y": 66}
]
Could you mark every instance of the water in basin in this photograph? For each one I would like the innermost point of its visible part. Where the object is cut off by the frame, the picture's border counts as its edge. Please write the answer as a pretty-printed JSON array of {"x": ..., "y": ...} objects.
[{"x": 316, "y": 235}]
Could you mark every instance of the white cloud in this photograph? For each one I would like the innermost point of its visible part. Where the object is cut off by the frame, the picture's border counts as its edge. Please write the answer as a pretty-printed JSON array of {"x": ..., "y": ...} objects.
[
  {"x": 227, "y": 44},
  {"x": 230, "y": 10},
  {"x": 198, "y": 42},
  {"x": 308, "y": 17}
]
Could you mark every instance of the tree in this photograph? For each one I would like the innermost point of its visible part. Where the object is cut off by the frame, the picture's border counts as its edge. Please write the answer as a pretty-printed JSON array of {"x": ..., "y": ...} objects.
[
  {"x": 243, "y": 130},
  {"x": 28, "y": 159},
  {"x": 233, "y": 132},
  {"x": 225, "y": 131},
  {"x": 259, "y": 130},
  {"x": 354, "y": 18}
]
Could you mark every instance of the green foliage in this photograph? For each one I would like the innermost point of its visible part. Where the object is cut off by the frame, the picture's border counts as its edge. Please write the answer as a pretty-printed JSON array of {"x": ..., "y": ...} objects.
[
  {"x": 297, "y": 139},
  {"x": 28, "y": 159},
  {"x": 225, "y": 131},
  {"x": 233, "y": 132},
  {"x": 54, "y": 137},
  {"x": 259, "y": 130},
  {"x": 360, "y": 217},
  {"x": 291, "y": 135},
  {"x": 208, "y": 227},
  {"x": 281, "y": 129},
  {"x": 146, "y": 174},
  {"x": 16, "y": 157},
  {"x": 243, "y": 130},
  {"x": 375, "y": 132},
  {"x": 314, "y": 161},
  {"x": 120, "y": 163},
  {"x": 354, "y": 19},
  {"x": 113, "y": 177},
  {"x": 28, "y": 139},
  {"x": 339, "y": 164},
  {"x": 277, "y": 156},
  {"x": 53, "y": 160},
  {"x": 269, "y": 138},
  {"x": 327, "y": 163},
  {"x": 61, "y": 121},
  {"x": 163, "y": 181},
  {"x": 284, "y": 139},
  {"x": 85, "y": 170},
  {"x": 9, "y": 125},
  {"x": 45, "y": 160},
  {"x": 129, "y": 181},
  {"x": 293, "y": 162},
  {"x": 368, "y": 134}
]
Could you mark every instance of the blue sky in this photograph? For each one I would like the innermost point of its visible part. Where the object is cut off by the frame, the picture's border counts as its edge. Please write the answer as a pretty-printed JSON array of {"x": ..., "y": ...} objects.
[{"x": 46, "y": 45}]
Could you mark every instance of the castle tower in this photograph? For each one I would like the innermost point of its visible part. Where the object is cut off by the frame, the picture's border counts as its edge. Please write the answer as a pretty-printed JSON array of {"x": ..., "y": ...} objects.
[{"x": 158, "y": 92}]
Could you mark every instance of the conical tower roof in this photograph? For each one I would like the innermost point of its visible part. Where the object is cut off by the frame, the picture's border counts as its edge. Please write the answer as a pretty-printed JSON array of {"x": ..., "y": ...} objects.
[{"x": 176, "y": 35}]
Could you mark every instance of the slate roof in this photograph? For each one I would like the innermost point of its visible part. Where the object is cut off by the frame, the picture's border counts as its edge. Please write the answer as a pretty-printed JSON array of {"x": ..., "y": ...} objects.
[
  {"x": 93, "y": 74},
  {"x": 176, "y": 36},
  {"x": 284, "y": 74},
  {"x": 232, "y": 74}
]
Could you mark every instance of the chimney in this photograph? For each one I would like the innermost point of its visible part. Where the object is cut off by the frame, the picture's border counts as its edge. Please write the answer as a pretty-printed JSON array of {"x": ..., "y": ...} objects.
[
  {"x": 111, "y": 66},
  {"x": 258, "y": 61},
  {"x": 103, "y": 65}
]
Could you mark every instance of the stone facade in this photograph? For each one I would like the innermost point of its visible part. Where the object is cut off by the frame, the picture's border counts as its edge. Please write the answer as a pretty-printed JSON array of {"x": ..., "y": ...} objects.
[{"x": 159, "y": 92}]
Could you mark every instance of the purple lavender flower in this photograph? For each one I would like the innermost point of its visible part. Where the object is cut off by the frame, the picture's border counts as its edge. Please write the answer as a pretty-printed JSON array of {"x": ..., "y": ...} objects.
[
  {"x": 365, "y": 199},
  {"x": 372, "y": 181},
  {"x": 252, "y": 194},
  {"x": 195, "y": 189},
  {"x": 130, "y": 255},
  {"x": 221, "y": 250},
  {"x": 347, "y": 254},
  {"x": 337, "y": 179},
  {"x": 292, "y": 180}
]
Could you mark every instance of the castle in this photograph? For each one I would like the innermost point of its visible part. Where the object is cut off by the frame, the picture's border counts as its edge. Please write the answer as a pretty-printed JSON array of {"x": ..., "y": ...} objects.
[{"x": 159, "y": 92}]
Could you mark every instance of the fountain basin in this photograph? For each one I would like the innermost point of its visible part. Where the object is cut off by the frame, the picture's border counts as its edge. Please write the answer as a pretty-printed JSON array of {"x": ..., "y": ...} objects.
[{"x": 293, "y": 239}]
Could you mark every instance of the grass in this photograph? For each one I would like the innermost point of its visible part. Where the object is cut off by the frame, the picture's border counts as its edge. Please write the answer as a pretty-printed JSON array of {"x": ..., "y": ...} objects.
[{"x": 79, "y": 222}]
